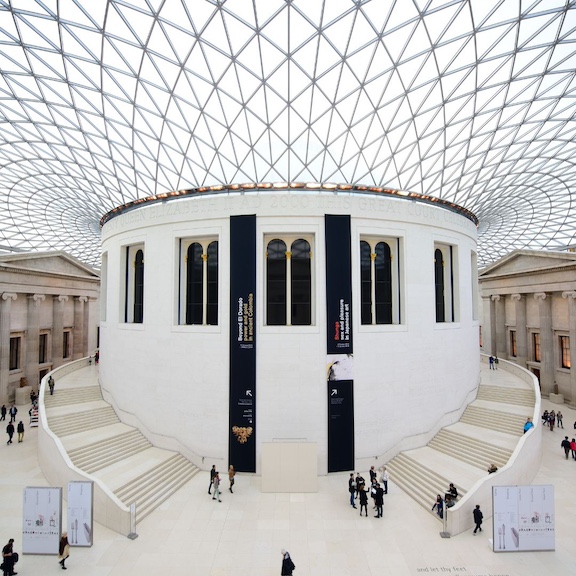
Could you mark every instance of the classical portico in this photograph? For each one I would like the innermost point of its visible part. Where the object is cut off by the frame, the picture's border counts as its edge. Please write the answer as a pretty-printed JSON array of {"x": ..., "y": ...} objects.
[
  {"x": 529, "y": 316},
  {"x": 48, "y": 316}
]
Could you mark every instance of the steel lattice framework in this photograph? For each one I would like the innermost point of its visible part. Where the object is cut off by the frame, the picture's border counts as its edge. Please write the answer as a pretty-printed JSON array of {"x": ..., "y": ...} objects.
[{"x": 108, "y": 101}]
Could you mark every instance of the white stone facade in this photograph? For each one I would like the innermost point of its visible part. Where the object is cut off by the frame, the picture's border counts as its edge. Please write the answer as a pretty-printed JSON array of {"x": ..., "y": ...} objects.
[{"x": 407, "y": 376}]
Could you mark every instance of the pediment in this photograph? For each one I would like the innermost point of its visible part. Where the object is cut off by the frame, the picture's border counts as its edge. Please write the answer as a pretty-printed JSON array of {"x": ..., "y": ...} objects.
[
  {"x": 48, "y": 263},
  {"x": 522, "y": 261}
]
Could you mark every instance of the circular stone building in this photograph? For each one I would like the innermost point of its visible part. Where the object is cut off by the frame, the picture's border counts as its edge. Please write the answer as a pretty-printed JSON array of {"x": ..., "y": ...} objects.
[{"x": 340, "y": 317}]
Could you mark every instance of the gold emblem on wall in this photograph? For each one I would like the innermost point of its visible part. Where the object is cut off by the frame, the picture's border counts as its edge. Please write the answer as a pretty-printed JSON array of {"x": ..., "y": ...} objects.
[{"x": 242, "y": 433}]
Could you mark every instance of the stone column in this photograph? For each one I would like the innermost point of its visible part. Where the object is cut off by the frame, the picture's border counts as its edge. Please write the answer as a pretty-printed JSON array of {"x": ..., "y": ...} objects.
[
  {"x": 91, "y": 315},
  {"x": 501, "y": 348},
  {"x": 58, "y": 329},
  {"x": 492, "y": 346},
  {"x": 572, "y": 313},
  {"x": 32, "y": 338},
  {"x": 486, "y": 324},
  {"x": 546, "y": 343},
  {"x": 5, "y": 313},
  {"x": 521, "y": 331},
  {"x": 78, "y": 338}
]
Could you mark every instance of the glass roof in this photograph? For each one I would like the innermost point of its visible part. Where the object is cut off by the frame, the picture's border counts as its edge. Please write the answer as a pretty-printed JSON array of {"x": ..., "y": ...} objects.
[{"x": 108, "y": 101}]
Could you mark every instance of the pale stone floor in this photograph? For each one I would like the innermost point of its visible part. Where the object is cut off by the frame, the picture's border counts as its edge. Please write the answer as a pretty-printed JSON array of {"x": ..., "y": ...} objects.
[{"x": 190, "y": 534}]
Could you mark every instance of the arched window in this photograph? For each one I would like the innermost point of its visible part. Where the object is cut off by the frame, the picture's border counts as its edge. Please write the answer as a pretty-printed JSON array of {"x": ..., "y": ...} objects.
[
  {"x": 301, "y": 283},
  {"x": 288, "y": 282},
  {"x": 212, "y": 285},
  {"x": 139, "y": 287},
  {"x": 199, "y": 282},
  {"x": 194, "y": 283},
  {"x": 446, "y": 282},
  {"x": 383, "y": 277},
  {"x": 134, "y": 284},
  {"x": 439, "y": 285},
  {"x": 379, "y": 281},
  {"x": 276, "y": 283}
]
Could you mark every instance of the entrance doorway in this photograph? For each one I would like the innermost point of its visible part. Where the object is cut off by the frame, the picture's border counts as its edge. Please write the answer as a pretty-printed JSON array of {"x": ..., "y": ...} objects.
[{"x": 536, "y": 372}]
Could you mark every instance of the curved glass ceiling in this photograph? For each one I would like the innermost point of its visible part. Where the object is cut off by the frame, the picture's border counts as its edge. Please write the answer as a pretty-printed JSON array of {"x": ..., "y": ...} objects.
[{"x": 104, "y": 102}]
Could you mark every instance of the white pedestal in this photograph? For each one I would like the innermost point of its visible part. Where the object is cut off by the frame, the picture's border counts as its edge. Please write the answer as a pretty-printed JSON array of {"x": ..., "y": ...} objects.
[
  {"x": 556, "y": 398},
  {"x": 23, "y": 395}
]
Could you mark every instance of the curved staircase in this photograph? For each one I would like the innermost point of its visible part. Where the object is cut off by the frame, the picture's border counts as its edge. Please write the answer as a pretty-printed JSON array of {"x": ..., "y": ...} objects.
[
  {"x": 119, "y": 455},
  {"x": 487, "y": 432}
]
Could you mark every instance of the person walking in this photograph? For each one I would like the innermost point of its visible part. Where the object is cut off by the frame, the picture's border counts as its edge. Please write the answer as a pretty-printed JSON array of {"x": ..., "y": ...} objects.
[
  {"x": 212, "y": 474},
  {"x": 491, "y": 362},
  {"x": 216, "y": 485},
  {"x": 478, "y": 516},
  {"x": 352, "y": 489},
  {"x": 559, "y": 422},
  {"x": 51, "y": 385},
  {"x": 566, "y": 445},
  {"x": 3, "y": 412},
  {"x": 10, "y": 432},
  {"x": 20, "y": 430},
  {"x": 287, "y": 564},
  {"x": 63, "y": 550},
  {"x": 231, "y": 474},
  {"x": 573, "y": 447},
  {"x": 496, "y": 362},
  {"x": 552, "y": 420},
  {"x": 9, "y": 558},
  {"x": 13, "y": 412}
]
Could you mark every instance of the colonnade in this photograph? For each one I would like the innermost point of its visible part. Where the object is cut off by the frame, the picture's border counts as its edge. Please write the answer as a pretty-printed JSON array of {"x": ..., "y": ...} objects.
[
  {"x": 496, "y": 339},
  {"x": 29, "y": 329}
]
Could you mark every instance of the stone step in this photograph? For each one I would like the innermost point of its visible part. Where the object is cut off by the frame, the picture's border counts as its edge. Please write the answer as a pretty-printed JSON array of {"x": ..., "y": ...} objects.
[
  {"x": 73, "y": 396},
  {"x": 494, "y": 420},
  {"x": 507, "y": 395},
  {"x": 468, "y": 450},
  {"x": 419, "y": 481},
  {"x": 82, "y": 421},
  {"x": 101, "y": 454}
]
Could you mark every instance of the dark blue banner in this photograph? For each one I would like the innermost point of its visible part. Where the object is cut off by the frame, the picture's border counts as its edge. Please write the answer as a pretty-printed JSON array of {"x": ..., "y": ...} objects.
[
  {"x": 242, "y": 409},
  {"x": 339, "y": 349}
]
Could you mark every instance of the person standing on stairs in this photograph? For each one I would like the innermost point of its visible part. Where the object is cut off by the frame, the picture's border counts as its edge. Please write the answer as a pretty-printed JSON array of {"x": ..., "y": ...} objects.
[
  {"x": 51, "y": 385},
  {"x": 439, "y": 505}
]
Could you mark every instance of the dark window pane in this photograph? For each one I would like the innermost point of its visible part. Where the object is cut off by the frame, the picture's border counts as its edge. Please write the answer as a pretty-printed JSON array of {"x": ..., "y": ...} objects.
[
  {"x": 194, "y": 283},
  {"x": 42, "y": 343},
  {"x": 365, "y": 284},
  {"x": 139, "y": 288},
  {"x": 14, "y": 353},
  {"x": 383, "y": 272},
  {"x": 301, "y": 284},
  {"x": 439, "y": 285},
  {"x": 276, "y": 283},
  {"x": 212, "y": 284}
]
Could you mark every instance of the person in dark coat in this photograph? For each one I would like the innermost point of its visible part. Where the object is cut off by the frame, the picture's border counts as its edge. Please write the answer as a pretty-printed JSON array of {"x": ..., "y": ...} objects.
[
  {"x": 352, "y": 489},
  {"x": 379, "y": 500},
  {"x": 287, "y": 564},
  {"x": 363, "y": 501},
  {"x": 20, "y": 430},
  {"x": 566, "y": 445},
  {"x": 9, "y": 558},
  {"x": 212, "y": 474},
  {"x": 10, "y": 432},
  {"x": 478, "y": 516},
  {"x": 3, "y": 412}
]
